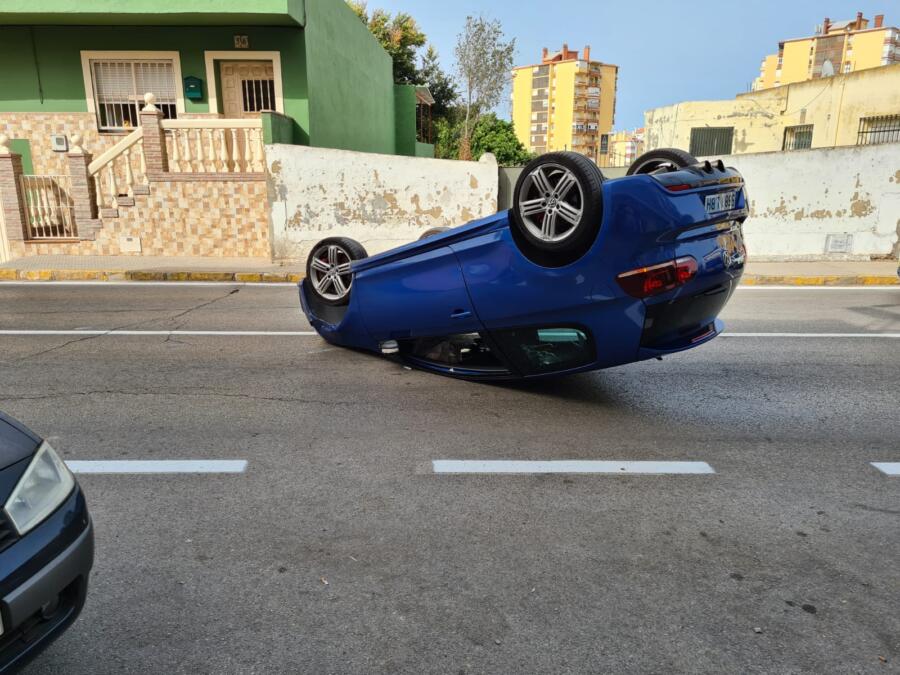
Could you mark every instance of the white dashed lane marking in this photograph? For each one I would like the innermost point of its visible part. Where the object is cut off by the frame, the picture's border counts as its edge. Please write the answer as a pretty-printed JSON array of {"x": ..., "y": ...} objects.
[
  {"x": 888, "y": 468},
  {"x": 120, "y": 466},
  {"x": 478, "y": 466}
]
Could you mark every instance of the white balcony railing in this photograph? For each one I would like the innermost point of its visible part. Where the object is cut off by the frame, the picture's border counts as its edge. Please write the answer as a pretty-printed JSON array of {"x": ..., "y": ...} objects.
[
  {"x": 214, "y": 145},
  {"x": 48, "y": 207}
]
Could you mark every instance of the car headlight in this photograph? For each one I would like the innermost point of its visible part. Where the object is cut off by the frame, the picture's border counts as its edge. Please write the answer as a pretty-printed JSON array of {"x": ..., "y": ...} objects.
[{"x": 42, "y": 488}]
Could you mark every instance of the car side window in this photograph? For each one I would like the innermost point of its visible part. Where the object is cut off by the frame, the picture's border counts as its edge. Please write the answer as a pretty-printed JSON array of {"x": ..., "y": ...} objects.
[
  {"x": 465, "y": 350},
  {"x": 546, "y": 350}
]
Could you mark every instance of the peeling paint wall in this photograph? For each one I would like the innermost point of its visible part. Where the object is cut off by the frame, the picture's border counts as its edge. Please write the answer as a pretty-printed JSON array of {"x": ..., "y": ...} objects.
[
  {"x": 799, "y": 199},
  {"x": 833, "y": 106},
  {"x": 381, "y": 201}
]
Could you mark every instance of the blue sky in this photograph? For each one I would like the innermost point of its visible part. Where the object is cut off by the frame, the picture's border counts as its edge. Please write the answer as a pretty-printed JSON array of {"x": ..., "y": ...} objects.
[{"x": 667, "y": 51}]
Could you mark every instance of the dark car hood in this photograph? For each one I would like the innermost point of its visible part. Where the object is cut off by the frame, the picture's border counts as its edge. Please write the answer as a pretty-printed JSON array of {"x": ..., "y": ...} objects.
[{"x": 17, "y": 442}]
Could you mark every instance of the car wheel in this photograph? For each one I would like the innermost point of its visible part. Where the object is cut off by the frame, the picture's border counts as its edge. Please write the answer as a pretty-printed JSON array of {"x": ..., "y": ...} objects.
[
  {"x": 557, "y": 208},
  {"x": 433, "y": 231},
  {"x": 662, "y": 160},
  {"x": 328, "y": 272}
]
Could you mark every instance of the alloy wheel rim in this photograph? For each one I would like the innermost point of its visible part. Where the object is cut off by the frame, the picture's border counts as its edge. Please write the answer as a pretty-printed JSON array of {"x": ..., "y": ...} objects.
[
  {"x": 330, "y": 272},
  {"x": 552, "y": 203}
]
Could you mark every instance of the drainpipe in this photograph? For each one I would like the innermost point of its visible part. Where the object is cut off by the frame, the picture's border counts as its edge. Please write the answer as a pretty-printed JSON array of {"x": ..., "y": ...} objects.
[{"x": 837, "y": 120}]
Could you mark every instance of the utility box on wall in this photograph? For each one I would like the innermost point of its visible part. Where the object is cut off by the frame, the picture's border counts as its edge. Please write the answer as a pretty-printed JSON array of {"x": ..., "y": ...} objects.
[{"x": 193, "y": 88}]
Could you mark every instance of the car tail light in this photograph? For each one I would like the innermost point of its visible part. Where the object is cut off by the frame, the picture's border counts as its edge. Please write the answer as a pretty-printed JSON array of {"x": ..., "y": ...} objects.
[{"x": 646, "y": 281}]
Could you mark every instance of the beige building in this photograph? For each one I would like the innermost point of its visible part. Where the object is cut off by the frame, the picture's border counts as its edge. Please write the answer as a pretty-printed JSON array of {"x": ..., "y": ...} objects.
[
  {"x": 622, "y": 148},
  {"x": 837, "y": 47},
  {"x": 565, "y": 102},
  {"x": 859, "y": 108}
]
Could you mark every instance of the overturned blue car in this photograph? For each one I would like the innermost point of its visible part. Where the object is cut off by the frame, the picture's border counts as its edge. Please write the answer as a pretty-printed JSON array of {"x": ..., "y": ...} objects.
[{"x": 581, "y": 273}]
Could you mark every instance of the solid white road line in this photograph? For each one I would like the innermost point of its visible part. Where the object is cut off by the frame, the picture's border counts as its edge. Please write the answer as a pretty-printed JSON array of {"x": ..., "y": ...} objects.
[
  {"x": 112, "y": 333},
  {"x": 159, "y": 466},
  {"x": 889, "y": 468},
  {"x": 892, "y": 336},
  {"x": 567, "y": 466},
  {"x": 309, "y": 333}
]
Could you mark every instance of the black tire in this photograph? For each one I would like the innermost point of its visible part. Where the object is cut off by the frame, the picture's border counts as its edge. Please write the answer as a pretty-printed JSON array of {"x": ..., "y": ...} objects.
[
  {"x": 325, "y": 281},
  {"x": 433, "y": 231},
  {"x": 661, "y": 160},
  {"x": 557, "y": 208}
]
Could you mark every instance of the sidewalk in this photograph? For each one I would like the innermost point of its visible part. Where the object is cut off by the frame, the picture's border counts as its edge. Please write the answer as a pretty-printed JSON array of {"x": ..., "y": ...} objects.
[
  {"x": 148, "y": 268},
  {"x": 879, "y": 273},
  {"x": 262, "y": 270}
]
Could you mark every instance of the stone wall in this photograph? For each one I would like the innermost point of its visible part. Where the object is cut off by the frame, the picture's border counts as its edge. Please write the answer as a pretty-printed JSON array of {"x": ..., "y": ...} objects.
[{"x": 382, "y": 201}]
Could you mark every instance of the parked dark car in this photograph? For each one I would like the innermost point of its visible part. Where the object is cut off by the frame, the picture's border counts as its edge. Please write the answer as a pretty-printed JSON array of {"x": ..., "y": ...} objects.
[{"x": 46, "y": 545}]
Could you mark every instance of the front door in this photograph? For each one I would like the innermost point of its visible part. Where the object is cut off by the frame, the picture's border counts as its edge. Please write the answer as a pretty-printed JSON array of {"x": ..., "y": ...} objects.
[{"x": 248, "y": 87}]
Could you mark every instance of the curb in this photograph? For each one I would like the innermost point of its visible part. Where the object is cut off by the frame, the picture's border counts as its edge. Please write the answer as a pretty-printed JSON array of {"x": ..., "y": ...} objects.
[
  {"x": 138, "y": 275},
  {"x": 277, "y": 277},
  {"x": 823, "y": 280}
]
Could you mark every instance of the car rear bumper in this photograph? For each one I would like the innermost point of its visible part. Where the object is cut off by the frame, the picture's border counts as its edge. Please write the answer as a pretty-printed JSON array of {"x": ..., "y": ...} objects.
[
  {"x": 685, "y": 321},
  {"x": 45, "y": 604}
]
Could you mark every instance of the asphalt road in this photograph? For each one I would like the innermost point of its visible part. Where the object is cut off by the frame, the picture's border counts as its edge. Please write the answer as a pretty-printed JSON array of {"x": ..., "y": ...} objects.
[{"x": 785, "y": 560}]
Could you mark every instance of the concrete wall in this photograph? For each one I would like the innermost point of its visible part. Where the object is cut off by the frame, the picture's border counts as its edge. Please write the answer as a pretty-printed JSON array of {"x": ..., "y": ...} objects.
[
  {"x": 381, "y": 201},
  {"x": 798, "y": 199},
  {"x": 832, "y": 105}
]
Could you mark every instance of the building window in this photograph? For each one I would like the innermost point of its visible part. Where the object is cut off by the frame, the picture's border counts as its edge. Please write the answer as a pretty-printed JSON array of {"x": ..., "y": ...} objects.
[
  {"x": 119, "y": 87},
  {"x": 604, "y": 144},
  {"x": 258, "y": 95},
  {"x": 706, "y": 141},
  {"x": 798, "y": 138},
  {"x": 881, "y": 129}
]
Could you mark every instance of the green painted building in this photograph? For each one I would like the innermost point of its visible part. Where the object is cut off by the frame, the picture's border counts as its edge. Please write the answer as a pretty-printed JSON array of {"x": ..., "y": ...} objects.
[{"x": 84, "y": 66}]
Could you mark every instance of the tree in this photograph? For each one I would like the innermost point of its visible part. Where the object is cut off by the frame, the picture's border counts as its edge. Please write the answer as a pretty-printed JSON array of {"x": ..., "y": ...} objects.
[
  {"x": 498, "y": 137},
  {"x": 484, "y": 61},
  {"x": 399, "y": 36},
  {"x": 442, "y": 87},
  {"x": 490, "y": 134}
]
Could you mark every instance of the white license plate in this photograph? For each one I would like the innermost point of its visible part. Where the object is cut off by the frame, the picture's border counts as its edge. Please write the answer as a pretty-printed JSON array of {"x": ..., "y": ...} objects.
[{"x": 723, "y": 201}]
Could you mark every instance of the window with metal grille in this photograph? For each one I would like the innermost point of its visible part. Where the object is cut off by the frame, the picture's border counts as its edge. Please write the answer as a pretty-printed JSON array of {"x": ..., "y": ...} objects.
[
  {"x": 258, "y": 95},
  {"x": 707, "y": 141},
  {"x": 880, "y": 129},
  {"x": 604, "y": 144},
  {"x": 119, "y": 88},
  {"x": 798, "y": 137}
]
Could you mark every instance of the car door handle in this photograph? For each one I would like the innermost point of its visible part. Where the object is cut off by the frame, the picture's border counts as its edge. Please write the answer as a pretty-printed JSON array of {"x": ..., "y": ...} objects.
[{"x": 460, "y": 314}]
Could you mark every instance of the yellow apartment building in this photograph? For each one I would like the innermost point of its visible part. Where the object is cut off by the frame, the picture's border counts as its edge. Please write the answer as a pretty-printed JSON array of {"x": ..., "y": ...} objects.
[
  {"x": 858, "y": 108},
  {"x": 838, "y": 47},
  {"x": 565, "y": 102}
]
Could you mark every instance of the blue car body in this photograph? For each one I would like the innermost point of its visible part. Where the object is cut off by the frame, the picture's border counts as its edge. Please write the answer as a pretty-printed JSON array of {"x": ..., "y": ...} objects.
[{"x": 474, "y": 279}]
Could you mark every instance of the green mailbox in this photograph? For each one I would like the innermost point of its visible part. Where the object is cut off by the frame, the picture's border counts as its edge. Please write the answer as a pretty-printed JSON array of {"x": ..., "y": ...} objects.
[{"x": 193, "y": 88}]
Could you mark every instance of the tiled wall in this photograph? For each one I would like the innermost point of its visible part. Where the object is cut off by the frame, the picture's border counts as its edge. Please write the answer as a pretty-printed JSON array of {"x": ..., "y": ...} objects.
[
  {"x": 38, "y": 127},
  {"x": 179, "y": 218}
]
